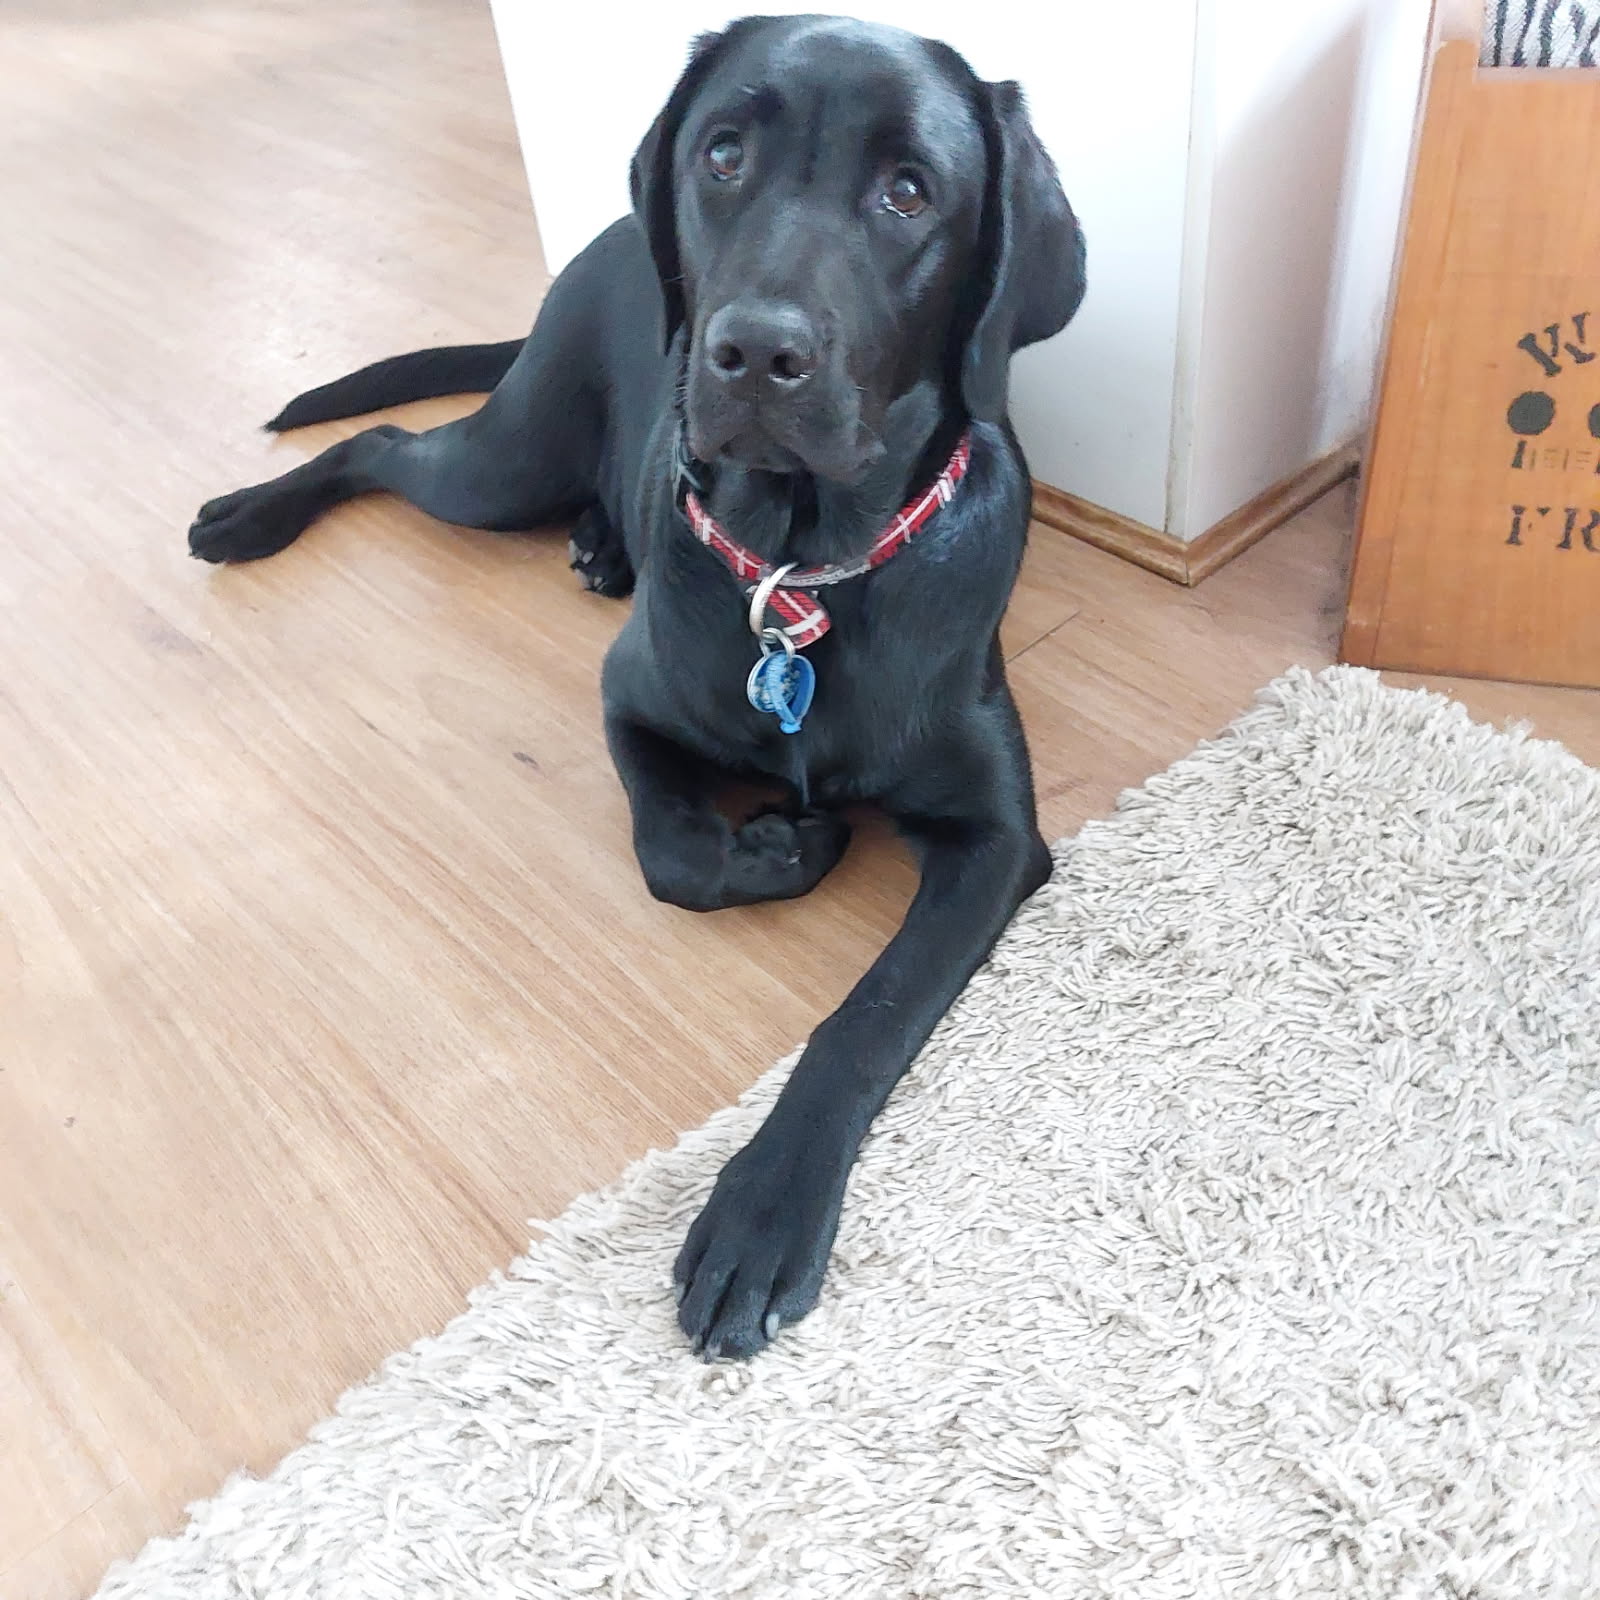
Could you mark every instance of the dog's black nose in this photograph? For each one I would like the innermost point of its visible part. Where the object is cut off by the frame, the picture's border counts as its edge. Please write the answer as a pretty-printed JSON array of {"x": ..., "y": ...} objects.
[{"x": 755, "y": 342}]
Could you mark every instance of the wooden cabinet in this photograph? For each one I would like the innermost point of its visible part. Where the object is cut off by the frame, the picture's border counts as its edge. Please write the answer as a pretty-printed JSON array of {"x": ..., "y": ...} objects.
[{"x": 1478, "y": 544}]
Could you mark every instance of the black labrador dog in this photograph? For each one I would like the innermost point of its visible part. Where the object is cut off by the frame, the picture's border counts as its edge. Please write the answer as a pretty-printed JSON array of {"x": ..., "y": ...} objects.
[{"x": 772, "y": 403}]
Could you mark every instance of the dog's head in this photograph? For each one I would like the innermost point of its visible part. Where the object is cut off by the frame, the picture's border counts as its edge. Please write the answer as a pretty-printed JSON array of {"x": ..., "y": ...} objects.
[{"x": 838, "y": 213}]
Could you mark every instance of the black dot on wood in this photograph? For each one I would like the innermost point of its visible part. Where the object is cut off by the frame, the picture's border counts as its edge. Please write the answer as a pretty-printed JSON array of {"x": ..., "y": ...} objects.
[{"x": 1531, "y": 412}]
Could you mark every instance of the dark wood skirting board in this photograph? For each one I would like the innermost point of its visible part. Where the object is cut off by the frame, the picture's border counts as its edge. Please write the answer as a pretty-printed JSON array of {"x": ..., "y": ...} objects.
[{"x": 1190, "y": 561}]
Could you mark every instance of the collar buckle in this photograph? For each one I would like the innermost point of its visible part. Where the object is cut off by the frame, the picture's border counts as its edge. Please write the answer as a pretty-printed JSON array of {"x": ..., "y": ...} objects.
[{"x": 685, "y": 478}]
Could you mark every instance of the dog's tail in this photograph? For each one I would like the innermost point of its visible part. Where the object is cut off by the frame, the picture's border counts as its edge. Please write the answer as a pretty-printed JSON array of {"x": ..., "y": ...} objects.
[{"x": 421, "y": 375}]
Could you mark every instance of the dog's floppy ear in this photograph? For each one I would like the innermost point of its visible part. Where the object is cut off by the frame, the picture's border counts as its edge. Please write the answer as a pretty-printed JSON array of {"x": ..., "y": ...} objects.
[
  {"x": 650, "y": 177},
  {"x": 1030, "y": 251}
]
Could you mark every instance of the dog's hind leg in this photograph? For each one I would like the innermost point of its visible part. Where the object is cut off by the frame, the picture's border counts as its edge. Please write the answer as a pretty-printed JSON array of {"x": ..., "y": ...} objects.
[
  {"x": 524, "y": 460},
  {"x": 528, "y": 457},
  {"x": 595, "y": 552}
]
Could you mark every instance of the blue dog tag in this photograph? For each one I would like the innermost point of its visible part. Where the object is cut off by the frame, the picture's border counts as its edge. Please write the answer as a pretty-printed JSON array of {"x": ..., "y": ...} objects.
[{"x": 782, "y": 683}]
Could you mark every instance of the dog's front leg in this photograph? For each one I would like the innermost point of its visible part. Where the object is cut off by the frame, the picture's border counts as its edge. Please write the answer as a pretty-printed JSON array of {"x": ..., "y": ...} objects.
[
  {"x": 691, "y": 856},
  {"x": 755, "y": 1257}
]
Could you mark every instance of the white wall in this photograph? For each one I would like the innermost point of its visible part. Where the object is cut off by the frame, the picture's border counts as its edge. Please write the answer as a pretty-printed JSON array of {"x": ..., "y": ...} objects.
[
  {"x": 1303, "y": 126},
  {"x": 1093, "y": 407}
]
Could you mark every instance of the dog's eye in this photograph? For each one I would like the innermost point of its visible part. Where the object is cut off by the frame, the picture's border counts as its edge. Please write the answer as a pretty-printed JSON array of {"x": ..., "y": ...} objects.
[
  {"x": 905, "y": 196},
  {"x": 725, "y": 156}
]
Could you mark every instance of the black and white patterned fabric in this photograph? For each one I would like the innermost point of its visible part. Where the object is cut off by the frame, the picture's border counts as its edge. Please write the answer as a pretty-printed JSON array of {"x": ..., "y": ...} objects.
[{"x": 1541, "y": 33}]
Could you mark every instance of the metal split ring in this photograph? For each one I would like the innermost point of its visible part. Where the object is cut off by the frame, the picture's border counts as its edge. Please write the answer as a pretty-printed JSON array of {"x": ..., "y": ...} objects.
[{"x": 776, "y": 639}]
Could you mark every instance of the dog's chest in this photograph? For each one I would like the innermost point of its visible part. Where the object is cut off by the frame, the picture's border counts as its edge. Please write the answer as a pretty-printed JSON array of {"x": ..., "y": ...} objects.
[
  {"x": 902, "y": 658},
  {"x": 880, "y": 686}
]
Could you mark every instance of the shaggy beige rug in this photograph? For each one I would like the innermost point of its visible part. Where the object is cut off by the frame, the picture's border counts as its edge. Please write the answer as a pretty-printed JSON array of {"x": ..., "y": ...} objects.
[{"x": 1238, "y": 1235}]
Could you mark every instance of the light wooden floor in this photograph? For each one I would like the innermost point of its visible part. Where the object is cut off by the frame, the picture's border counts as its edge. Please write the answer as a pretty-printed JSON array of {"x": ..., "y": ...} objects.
[{"x": 324, "y": 959}]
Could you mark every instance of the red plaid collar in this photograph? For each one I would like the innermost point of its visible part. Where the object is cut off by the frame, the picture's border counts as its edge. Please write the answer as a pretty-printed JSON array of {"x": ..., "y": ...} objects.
[{"x": 805, "y": 619}]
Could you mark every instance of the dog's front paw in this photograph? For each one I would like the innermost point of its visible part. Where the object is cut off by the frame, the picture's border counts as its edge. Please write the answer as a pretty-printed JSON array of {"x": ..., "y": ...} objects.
[
  {"x": 756, "y": 1255},
  {"x": 776, "y": 856}
]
